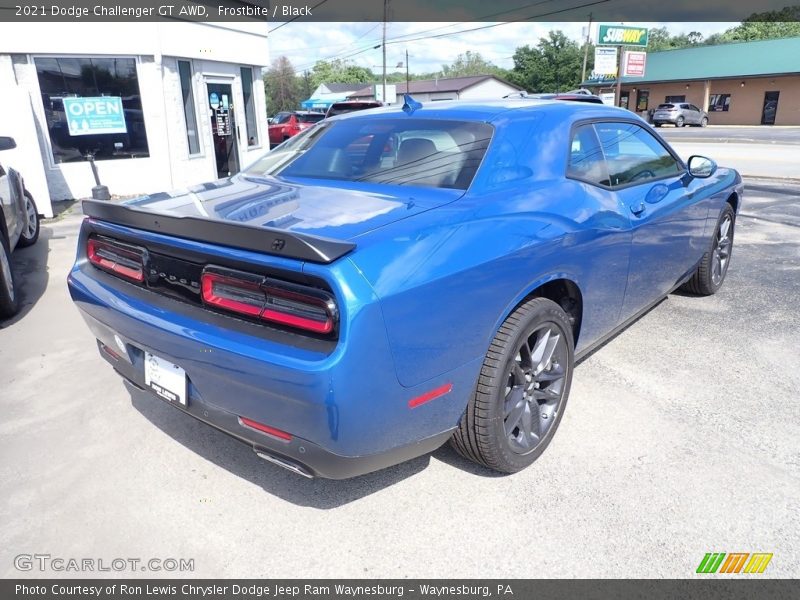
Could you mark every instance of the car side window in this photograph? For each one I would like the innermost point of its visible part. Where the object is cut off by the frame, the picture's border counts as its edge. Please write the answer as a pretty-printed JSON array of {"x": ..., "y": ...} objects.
[
  {"x": 586, "y": 160},
  {"x": 693, "y": 107},
  {"x": 633, "y": 154}
]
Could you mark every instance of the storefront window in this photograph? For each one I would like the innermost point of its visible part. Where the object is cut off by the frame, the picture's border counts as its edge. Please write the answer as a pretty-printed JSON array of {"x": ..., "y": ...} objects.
[
  {"x": 187, "y": 96},
  {"x": 719, "y": 102},
  {"x": 109, "y": 129},
  {"x": 249, "y": 106}
]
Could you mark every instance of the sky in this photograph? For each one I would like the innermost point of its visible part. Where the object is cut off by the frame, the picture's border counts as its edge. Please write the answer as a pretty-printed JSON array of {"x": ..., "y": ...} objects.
[{"x": 305, "y": 43}]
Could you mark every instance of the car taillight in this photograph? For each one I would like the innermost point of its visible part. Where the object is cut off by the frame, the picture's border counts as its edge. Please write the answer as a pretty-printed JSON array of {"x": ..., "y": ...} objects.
[
  {"x": 114, "y": 257},
  {"x": 269, "y": 299}
]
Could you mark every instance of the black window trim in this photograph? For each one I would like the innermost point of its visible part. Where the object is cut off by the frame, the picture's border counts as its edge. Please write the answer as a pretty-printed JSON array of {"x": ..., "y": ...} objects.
[
  {"x": 259, "y": 137},
  {"x": 630, "y": 121},
  {"x": 192, "y": 89}
]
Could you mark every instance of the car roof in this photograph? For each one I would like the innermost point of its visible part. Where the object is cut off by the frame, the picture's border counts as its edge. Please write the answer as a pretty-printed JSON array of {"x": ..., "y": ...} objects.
[{"x": 489, "y": 110}]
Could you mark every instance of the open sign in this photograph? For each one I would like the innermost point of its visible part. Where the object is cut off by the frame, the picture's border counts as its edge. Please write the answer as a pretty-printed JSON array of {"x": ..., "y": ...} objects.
[{"x": 92, "y": 116}]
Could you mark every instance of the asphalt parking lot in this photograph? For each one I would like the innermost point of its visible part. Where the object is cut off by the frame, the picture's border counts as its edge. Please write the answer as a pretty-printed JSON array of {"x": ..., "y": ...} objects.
[{"x": 680, "y": 438}]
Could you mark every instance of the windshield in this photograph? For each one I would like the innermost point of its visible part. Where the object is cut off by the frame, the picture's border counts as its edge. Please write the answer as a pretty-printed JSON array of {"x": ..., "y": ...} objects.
[
  {"x": 396, "y": 151},
  {"x": 281, "y": 118},
  {"x": 310, "y": 117}
]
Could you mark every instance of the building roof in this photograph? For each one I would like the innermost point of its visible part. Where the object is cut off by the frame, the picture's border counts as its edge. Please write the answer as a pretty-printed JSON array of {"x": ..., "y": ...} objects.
[
  {"x": 337, "y": 88},
  {"x": 741, "y": 59},
  {"x": 432, "y": 86}
]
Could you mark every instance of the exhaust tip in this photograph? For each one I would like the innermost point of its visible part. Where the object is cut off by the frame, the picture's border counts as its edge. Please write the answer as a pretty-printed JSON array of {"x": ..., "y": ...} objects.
[{"x": 285, "y": 463}]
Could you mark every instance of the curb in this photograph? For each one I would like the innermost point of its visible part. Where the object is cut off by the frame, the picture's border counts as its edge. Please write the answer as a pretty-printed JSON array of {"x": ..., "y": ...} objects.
[{"x": 772, "y": 179}]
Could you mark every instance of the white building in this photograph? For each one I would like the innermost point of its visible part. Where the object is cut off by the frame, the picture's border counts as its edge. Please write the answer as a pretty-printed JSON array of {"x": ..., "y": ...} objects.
[
  {"x": 191, "y": 95},
  {"x": 476, "y": 87}
]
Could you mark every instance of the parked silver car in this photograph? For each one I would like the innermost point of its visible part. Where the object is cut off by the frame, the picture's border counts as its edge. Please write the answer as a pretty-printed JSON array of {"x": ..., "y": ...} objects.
[
  {"x": 19, "y": 226},
  {"x": 679, "y": 114}
]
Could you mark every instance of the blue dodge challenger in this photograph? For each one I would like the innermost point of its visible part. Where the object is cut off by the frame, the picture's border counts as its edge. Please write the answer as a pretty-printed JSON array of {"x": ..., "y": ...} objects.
[{"x": 393, "y": 279}]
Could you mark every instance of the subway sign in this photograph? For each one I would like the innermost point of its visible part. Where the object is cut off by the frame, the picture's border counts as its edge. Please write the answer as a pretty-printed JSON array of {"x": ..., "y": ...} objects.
[{"x": 620, "y": 35}]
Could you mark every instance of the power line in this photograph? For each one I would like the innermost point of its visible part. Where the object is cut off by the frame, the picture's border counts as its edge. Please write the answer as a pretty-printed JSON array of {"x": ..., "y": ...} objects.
[
  {"x": 398, "y": 40},
  {"x": 555, "y": 12},
  {"x": 297, "y": 17}
]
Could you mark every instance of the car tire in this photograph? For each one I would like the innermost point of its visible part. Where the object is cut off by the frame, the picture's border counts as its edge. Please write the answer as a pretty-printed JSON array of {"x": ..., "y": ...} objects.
[
  {"x": 713, "y": 267},
  {"x": 526, "y": 374},
  {"x": 679, "y": 122},
  {"x": 9, "y": 298},
  {"x": 656, "y": 124},
  {"x": 30, "y": 233},
  {"x": 703, "y": 121}
]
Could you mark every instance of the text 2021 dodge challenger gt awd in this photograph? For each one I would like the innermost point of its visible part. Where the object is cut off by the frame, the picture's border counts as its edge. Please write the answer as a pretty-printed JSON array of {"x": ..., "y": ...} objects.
[{"x": 392, "y": 279}]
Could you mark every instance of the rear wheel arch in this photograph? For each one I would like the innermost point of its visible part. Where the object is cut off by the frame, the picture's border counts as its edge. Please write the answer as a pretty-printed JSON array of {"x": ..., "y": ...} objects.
[{"x": 561, "y": 290}]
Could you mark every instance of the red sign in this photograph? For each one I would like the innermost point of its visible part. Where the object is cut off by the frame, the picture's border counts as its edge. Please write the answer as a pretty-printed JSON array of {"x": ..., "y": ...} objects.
[{"x": 634, "y": 64}]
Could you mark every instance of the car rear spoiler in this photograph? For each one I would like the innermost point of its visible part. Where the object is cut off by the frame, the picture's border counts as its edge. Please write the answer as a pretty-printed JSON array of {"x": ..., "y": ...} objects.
[{"x": 266, "y": 240}]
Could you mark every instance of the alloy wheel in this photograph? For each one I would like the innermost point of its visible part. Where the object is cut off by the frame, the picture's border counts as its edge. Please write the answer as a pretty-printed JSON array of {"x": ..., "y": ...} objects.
[
  {"x": 535, "y": 388},
  {"x": 31, "y": 220},
  {"x": 722, "y": 250}
]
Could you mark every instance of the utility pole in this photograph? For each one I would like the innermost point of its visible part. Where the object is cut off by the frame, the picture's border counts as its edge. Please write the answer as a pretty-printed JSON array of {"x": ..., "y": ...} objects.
[
  {"x": 620, "y": 59},
  {"x": 383, "y": 45},
  {"x": 586, "y": 48},
  {"x": 407, "y": 91}
]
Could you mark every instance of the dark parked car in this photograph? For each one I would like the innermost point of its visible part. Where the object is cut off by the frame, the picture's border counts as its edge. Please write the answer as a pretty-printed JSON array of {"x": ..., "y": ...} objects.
[
  {"x": 19, "y": 227},
  {"x": 591, "y": 99},
  {"x": 341, "y": 108},
  {"x": 679, "y": 114},
  {"x": 576, "y": 96},
  {"x": 389, "y": 280},
  {"x": 287, "y": 124}
]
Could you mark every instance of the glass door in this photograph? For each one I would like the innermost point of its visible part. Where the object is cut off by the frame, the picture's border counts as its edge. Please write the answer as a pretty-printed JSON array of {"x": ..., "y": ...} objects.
[{"x": 223, "y": 128}]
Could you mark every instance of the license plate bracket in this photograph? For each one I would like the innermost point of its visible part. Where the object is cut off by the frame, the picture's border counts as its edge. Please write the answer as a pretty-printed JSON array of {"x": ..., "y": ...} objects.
[{"x": 165, "y": 378}]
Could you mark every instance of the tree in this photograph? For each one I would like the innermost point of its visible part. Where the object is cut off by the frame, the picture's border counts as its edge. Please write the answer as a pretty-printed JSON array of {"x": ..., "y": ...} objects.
[
  {"x": 553, "y": 65},
  {"x": 471, "y": 63},
  {"x": 659, "y": 38},
  {"x": 281, "y": 86},
  {"x": 758, "y": 26},
  {"x": 339, "y": 71},
  {"x": 765, "y": 26}
]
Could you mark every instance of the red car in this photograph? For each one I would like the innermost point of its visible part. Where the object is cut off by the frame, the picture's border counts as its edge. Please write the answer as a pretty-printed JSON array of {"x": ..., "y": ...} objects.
[{"x": 287, "y": 124}]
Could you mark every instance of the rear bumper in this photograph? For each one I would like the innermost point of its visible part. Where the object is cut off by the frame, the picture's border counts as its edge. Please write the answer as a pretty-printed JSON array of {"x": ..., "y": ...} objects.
[
  {"x": 298, "y": 455},
  {"x": 343, "y": 405}
]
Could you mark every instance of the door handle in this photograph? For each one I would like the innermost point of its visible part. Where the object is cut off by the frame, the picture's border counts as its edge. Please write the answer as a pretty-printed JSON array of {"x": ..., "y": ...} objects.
[{"x": 638, "y": 210}]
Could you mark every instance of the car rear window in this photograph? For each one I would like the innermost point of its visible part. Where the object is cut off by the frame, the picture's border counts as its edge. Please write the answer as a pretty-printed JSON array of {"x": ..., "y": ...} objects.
[
  {"x": 281, "y": 118},
  {"x": 666, "y": 106},
  {"x": 395, "y": 151},
  {"x": 340, "y": 109},
  {"x": 310, "y": 117}
]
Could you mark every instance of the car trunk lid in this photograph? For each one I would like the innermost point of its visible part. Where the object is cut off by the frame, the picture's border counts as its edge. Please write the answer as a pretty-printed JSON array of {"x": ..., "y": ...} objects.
[{"x": 300, "y": 219}]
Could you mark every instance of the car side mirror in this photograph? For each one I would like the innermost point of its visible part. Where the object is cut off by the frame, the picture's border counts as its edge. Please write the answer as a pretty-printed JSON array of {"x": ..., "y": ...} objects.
[
  {"x": 7, "y": 143},
  {"x": 701, "y": 167}
]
